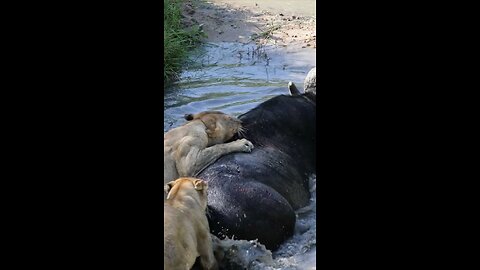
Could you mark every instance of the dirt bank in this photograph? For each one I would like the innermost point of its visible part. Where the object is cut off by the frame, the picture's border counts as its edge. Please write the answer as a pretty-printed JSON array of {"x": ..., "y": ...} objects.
[{"x": 247, "y": 21}]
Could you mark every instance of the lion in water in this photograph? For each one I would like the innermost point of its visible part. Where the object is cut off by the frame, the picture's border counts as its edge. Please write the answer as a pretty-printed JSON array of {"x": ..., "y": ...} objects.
[{"x": 186, "y": 229}]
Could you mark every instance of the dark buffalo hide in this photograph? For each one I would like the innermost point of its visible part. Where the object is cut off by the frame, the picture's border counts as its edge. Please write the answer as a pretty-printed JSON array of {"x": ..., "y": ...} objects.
[{"x": 254, "y": 195}]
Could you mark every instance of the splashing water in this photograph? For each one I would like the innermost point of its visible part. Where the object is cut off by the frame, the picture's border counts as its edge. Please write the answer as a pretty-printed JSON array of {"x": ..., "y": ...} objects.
[{"x": 298, "y": 252}]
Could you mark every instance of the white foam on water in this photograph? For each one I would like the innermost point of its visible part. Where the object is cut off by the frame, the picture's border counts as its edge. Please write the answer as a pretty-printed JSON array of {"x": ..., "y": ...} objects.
[{"x": 297, "y": 253}]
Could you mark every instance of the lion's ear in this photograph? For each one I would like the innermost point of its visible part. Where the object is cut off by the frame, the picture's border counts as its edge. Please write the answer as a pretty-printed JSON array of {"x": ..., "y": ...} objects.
[
  {"x": 200, "y": 184},
  {"x": 168, "y": 187},
  {"x": 211, "y": 124}
]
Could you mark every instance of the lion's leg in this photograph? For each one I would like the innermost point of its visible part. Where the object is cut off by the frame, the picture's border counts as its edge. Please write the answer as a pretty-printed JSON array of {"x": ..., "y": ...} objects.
[
  {"x": 195, "y": 160},
  {"x": 207, "y": 259},
  {"x": 169, "y": 171},
  {"x": 208, "y": 155}
]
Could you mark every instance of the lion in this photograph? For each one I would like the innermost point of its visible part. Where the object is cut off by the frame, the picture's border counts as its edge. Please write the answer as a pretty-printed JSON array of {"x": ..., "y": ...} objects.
[
  {"x": 186, "y": 230},
  {"x": 190, "y": 148}
]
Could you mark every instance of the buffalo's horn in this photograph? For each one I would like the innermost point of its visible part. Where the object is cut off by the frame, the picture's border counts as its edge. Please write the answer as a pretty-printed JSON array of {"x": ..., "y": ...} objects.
[{"x": 293, "y": 89}]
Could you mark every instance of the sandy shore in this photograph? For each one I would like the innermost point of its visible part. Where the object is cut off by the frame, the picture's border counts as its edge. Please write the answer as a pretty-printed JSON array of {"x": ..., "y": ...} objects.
[{"x": 242, "y": 21}]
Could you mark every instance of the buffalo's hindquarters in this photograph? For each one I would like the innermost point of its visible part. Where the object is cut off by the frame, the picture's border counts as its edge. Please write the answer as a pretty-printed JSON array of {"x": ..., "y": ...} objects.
[{"x": 250, "y": 211}]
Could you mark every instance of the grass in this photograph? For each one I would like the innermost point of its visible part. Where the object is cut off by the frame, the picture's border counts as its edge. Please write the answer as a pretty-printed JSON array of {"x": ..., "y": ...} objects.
[
  {"x": 177, "y": 40},
  {"x": 266, "y": 34}
]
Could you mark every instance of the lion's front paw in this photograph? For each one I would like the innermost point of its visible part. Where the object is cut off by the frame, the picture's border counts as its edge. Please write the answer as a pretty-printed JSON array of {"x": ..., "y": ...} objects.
[{"x": 246, "y": 145}]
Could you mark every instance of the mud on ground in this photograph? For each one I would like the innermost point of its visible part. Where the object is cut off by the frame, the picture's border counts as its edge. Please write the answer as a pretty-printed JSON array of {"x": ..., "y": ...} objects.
[{"x": 230, "y": 22}]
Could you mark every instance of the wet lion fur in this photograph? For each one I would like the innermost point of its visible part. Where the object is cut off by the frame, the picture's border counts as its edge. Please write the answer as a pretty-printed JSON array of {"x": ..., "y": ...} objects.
[{"x": 186, "y": 229}]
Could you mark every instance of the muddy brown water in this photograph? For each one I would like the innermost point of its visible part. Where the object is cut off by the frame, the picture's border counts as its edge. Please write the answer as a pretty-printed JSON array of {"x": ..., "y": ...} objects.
[{"x": 235, "y": 77}]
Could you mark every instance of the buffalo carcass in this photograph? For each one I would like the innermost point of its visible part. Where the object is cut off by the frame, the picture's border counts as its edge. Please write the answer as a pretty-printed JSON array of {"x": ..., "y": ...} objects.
[{"x": 254, "y": 195}]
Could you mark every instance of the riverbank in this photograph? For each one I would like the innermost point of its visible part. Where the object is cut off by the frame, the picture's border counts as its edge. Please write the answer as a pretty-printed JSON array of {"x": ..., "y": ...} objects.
[
  {"x": 190, "y": 22},
  {"x": 281, "y": 23},
  {"x": 178, "y": 38}
]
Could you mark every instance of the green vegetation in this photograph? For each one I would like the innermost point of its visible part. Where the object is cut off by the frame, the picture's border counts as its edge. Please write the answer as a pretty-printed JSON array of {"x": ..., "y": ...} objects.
[
  {"x": 177, "y": 39},
  {"x": 265, "y": 34}
]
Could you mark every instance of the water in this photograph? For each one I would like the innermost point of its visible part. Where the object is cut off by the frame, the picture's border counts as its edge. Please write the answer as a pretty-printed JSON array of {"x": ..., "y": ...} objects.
[
  {"x": 234, "y": 78},
  {"x": 296, "y": 253}
]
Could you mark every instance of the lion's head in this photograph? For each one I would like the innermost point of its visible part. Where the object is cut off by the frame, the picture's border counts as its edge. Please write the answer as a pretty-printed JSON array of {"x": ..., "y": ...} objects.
[
  {"x": 220, "y": 127},
  {"x": 188, "y": 187}
]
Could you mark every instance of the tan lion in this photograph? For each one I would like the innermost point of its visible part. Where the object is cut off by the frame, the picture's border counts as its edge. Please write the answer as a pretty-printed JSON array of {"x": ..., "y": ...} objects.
[
  {"x": 190, "y": 148},
  {"x": 186, "y": 230}
]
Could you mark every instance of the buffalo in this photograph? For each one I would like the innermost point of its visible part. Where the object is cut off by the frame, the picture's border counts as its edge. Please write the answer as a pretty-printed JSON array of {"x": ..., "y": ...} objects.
[{"x": 254, "y": 195}]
